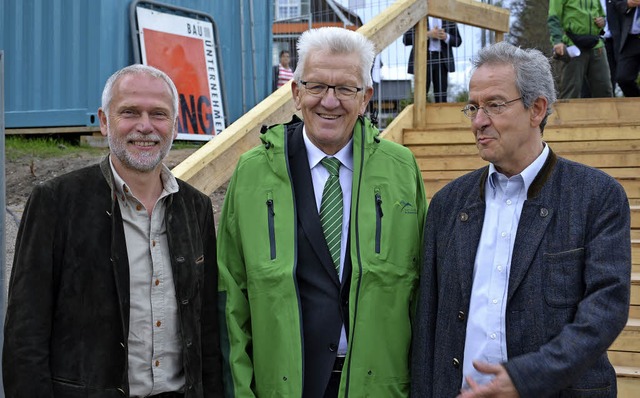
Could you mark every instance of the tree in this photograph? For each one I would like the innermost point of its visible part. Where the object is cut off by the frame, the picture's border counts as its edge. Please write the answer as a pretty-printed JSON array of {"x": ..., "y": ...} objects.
[{"x": 529, "y": 27}]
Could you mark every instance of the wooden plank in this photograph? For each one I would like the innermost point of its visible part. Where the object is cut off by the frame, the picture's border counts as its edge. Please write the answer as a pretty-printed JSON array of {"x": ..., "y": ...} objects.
[
  {"x": 212, "y": 165},
  {"x": 624, "y": 358},
  {"x": 629, "y": 339},
  {"x": 396, "y": 19},
  {"x": 394, "y": 131},
  {"x": 628, "y": 387},
  {"x": 631, "y": 187},
  {"x": 420, "y": 73},
  {"x": 635, "y": 216},
  {"x": 635, "y": 236},
  {"x": 584, "y": 112},
  {"x": 560, "y": 148},
  {"x": 634, "y": 311},
  {"x": 467, "y": 12},
  {"x": 635, "y": 290},
  {"x": 635, "y": 251},
  {"x": 450, "y": 163},
  {"x": 463, "y": 135}
]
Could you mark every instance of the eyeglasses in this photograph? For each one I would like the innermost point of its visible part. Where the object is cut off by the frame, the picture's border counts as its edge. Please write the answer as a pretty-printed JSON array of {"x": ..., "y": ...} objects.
[
  {"x": 341, "y": 92},
  {"x": 491, "y": 108}
]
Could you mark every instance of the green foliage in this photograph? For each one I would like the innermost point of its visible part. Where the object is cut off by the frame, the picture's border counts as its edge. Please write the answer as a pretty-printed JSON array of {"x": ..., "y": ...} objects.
[{"x": 17, "y": 146}]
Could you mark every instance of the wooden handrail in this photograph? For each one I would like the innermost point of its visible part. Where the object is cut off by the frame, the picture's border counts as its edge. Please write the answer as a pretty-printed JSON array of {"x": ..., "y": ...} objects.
[{"x": 212, "y": 165}]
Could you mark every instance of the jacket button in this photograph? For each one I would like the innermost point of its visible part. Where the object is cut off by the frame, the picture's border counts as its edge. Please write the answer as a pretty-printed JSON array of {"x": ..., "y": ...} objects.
[
  {"x": 544, "y": 212},
  {"x": 461, "y": 315},
  {"x": 464, "y": 217},
  {"x": 189, "y": 343},
  {"x": 185, "y": 301},
  {"x": 455, "y": 363},
  {"x": 333, "y": 347}
]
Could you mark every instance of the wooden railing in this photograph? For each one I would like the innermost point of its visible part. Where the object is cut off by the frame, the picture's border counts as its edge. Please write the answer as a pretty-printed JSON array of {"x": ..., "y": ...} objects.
[{"x": 212, "y": 165}]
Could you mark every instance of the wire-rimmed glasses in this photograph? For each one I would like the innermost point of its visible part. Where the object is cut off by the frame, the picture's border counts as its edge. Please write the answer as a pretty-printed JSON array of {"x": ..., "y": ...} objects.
[
  {"x": 490, "y": 108},
  {"x": 342, "y": 92}
]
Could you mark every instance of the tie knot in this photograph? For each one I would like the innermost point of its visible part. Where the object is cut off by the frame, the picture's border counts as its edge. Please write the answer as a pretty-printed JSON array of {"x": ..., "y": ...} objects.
[{"x": 332, "y": 165}]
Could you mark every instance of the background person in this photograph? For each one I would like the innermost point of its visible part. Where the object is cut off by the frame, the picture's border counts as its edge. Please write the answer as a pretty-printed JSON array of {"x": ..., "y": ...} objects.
[
  {"x": 113, "y": 288},
  {"x": 319, "y": 241},
  {"x": 579, "y": 23},
  {"x": 525, "y": 282},
  {"x": 629, "y": 60},
  {"x": 442, "y": 36},
  {"x": 282, "y": 72}
]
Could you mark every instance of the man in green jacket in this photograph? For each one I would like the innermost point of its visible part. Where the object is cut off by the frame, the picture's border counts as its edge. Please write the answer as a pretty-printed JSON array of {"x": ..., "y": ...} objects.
[
  {"x": 575, "y": 27},
  {"x": 313, "y": 310}
]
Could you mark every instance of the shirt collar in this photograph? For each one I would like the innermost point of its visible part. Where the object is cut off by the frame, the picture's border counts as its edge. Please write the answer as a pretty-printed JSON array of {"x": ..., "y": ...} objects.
[
  {"x": 169, "y": 182},
  {"x": 315, "y": 154},
  {"x": 528, "y": 174}
]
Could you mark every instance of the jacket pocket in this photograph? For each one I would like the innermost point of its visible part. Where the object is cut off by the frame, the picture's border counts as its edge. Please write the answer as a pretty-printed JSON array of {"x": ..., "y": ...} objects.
[
  {"x": 563, "y": 281},
  {"x": 379, "y": 214},
  {"x": 271, "y": 226}
]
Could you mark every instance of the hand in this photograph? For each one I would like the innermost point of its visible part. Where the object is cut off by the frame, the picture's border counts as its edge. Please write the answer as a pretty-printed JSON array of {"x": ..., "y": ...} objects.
[
  {"x": 559, "y": 49},
  {"x": 438, "y": 33},
  {"x": 600, "y": 21},
  {"x": 633, "y": 3},
  {"x": 500, "y": 387}
]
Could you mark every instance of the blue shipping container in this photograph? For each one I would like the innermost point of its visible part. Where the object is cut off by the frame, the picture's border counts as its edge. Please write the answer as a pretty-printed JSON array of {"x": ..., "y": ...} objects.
[{"x": 59, "y": 53}]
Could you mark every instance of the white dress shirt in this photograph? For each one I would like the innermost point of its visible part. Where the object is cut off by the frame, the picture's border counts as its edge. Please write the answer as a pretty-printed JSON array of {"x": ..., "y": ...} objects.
[
  {"x": 320, "y": 175},
  {"x": 486, "y": 330}
]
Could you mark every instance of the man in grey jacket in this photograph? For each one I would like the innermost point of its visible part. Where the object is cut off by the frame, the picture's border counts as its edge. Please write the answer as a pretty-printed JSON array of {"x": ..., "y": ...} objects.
[
  {"x": 113, "y": 288},
  {"x": 525, "y": 280}
]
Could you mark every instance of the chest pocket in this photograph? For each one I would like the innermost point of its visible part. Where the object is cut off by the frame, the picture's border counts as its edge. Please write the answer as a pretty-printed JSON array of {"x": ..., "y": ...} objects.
[{"x": 563, "y": 282}]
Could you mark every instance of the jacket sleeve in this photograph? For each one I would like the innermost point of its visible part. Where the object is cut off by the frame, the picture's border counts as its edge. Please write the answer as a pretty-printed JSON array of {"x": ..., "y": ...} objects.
[
  {"x": 455, "y": 40},
  {"x": 423, "y": 343},
  {"x": 602, "y": 312},
  {"x": 554, "y": 21},
  {"x": 210, "y": 331},
  {"x": 27, "y": 333},
  {"x": 407, "y": 38},
  {"x": 235, "y": 324}
]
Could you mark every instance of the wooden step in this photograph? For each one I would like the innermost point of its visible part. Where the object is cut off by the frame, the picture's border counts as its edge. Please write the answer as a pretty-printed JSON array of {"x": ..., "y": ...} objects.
[
  {"x": 635, "y": 215},
  {"x": 629, "y": 339},
  {"x": 634, "y": 312},
  {"x": 635, "y": 289},
  {"x": 628, "y": 379},
  {"x": 624, "y": 358},
  {"x": 469, "y": 148},
  {"x": 462, "y": 134}
]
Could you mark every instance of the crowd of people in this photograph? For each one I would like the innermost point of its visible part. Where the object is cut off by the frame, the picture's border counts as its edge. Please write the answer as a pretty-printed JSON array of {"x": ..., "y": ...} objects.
[
  {"x": 598, "y": 43},
  {"x": 328, "y": 277}
]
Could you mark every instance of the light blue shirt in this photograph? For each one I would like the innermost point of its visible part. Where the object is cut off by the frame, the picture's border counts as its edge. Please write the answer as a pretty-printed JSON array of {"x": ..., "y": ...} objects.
[
  {"x": 486, "y": 331},
  {"x": 320, "y": 175}
]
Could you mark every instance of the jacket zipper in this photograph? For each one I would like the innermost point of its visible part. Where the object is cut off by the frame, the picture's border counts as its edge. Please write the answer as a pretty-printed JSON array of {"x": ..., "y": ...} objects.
[
  {"x": 379, "y": 215},
  {"x": 272, "y": 233}
]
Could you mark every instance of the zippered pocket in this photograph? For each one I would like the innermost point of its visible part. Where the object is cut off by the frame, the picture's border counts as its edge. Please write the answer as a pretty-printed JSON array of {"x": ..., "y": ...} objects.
[
  {"x": 379, "y": 215},
  {"x": 271, "y": 226}
]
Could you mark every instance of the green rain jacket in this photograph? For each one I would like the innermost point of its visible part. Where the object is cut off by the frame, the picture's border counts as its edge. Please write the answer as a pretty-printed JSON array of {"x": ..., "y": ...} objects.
[
  {"x": 261, "y": 327},
  {"x": 575, "y": 16}
]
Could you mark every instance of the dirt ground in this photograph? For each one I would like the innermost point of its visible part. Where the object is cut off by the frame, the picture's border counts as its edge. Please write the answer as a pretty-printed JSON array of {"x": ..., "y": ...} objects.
[{"x": 22, "y": 174}]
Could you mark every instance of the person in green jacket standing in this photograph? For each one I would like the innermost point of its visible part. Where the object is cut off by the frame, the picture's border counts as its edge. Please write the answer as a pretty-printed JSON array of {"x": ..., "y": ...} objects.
[
  {"x": 575, "y": 27},
  {"x": 319, "y": 242}
]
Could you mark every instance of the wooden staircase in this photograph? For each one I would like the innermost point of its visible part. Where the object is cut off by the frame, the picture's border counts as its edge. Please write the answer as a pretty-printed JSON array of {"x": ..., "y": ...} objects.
[{"x": 603, "y": 133}]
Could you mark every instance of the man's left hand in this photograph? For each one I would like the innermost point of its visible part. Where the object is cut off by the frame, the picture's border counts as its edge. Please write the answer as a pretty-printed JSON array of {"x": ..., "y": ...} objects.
[{"x": 500, "y": 387}]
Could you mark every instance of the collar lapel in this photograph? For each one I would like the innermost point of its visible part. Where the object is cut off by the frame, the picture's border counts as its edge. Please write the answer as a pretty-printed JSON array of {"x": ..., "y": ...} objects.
[{"x": 308, "y": 216}]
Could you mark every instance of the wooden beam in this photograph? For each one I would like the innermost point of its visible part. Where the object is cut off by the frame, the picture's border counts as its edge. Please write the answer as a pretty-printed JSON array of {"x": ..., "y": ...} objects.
[
  {"x": 470, "y": 12},
  {"x": 212, "y": 165},
  {"x": 396, "y": 19},
  {"x": 420, "y": 74}
]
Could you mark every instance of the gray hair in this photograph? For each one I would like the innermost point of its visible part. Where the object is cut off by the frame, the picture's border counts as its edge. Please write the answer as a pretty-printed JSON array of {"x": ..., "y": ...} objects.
[
  {"x": 336, "y": 41},
  {"x": 532, "y": 69},
  {"x": 107, "y": 92}
]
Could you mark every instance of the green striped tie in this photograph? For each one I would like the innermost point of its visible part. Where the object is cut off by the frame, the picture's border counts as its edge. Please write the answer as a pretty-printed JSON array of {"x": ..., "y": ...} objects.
[{"x": 331, "y": 210}]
